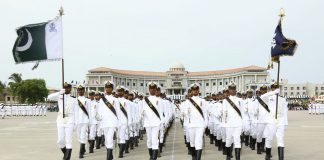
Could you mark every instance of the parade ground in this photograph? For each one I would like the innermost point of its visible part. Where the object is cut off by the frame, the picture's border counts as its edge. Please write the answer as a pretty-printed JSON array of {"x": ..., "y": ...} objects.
[{"x": 34, "y": 138}]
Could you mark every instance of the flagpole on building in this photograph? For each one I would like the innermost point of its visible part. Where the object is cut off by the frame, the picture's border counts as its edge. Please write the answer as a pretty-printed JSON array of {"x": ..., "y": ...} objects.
[
  {"x": 282, "y": 14},
  {"x": 61, "y": 13}
]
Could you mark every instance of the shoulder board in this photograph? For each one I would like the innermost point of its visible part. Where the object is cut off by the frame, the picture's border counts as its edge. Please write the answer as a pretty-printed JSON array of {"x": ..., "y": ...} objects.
[{"x": 72, "y": 96}]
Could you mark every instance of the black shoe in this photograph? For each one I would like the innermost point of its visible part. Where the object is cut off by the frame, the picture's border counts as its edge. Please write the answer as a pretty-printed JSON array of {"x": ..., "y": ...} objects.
[
  {"x": 251, "y": 141},
  {"x": 189, "y": 151},
  {"x": 154, "y": 154},
  {"x": 98, "y": 141},
  {"x": 102, "y": 141},
  {"x": 281, "y": 151},
  {"x": 211, "y": 137},
  {"x": 161, "y": 147},
  {"x": 198, "y": 154},
  {"x": 136, "y": 141},
  {"x": 231, "y": 150},
  {"x": 253, "y": 144},
  {"x": 246, "y": 140},
  {"x": 216, "y": 142},
  {"x": 127, "y": 146},
  {"x": 67, "y": 155},
  {"x": 63, "y": 151},
  {"x": 259, "y": 148},
  {"x": 262, "y": 145},
  {"x": 193, "y": 153},
  {"x": 220, "y": 146},
  {"x": 92, "y": 142},
  {"x": 121, "y": 150},
  {"x": 224, "y": 148},
  {"x": 131, "y": 143},
  {"x": 237, "y": 153},
  {"x": 150, "y": 153},
  {"x": 228, "y": 153},
  {"x": 268, "y": 154},
  {"x": 81, "y": 153},
  {"x": 109, "y": 154}
]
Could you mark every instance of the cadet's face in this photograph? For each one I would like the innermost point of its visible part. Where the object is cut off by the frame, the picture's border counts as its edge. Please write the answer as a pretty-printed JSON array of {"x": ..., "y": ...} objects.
[
  {"x": 126, "y": 95},
  {"x": 232, "y": 92},
  {"x": 97, "y": 97},
  {"x": 120, "y": 93},
  {"x": 263, "y": 91},
  {"x": 81, "y": 92},
  {"x": 92, "y": 97},
  {"x": 249, "y": 95},
  {"x": 195, "y": 92},
  {"x": 109, "y": 90},
  {"x": 152, "y": 90},
  {"x": 158, "y": 93},
  {"x": 130, "y": 97},
  {"x": 68, "y": 90}
]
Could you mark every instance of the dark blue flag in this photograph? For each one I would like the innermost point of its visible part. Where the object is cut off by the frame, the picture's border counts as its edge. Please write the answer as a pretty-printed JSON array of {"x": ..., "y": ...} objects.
[{"x": 281, "y": 46}]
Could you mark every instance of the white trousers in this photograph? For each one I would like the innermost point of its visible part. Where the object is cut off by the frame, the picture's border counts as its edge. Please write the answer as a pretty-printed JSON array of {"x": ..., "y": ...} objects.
[
  {"x": 152, "y": 134},
  {"x": 223, "y": 134},
  {"x": 186, "y": 132},
  {"x": 260, "y": 131},
  {"x": 247, "y": 127},
  {"x": 278, "y": 131},
  {"x": 217, "y": 132},
  {"x": 99, "y": 131},
  {"x": 196, "y": 137},
  {"x": 109, "y": 137},
  {"x": 93, "y": 130},
  {"x": 122, "y": 134},
  {"x": 161, "y": 132},
  {"x": 82, "y": 132},
  {"x": 233, "y": 135},
  {"x": 64, "y": 135},
  {"x": 211, "y": 127},
  {"x": 253, "y": 130}
]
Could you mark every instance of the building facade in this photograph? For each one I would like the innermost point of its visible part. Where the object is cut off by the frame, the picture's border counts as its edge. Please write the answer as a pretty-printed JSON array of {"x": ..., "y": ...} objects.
[
  {"x": 302, "y": 89},
  {"x": 176, "y": 80}
]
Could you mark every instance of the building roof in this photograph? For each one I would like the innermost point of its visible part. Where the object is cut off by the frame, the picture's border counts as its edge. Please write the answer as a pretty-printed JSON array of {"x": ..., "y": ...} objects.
[
  {"x": 178, "y": 64},
  {"x": 161, "y": 74}
]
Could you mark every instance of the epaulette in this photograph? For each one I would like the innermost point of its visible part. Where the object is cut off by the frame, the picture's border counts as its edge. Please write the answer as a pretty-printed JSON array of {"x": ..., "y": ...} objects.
[{"x": 72, "y": 96}]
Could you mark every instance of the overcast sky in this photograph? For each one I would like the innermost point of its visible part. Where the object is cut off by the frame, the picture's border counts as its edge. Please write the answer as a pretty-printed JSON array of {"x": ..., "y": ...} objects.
[{"x": 153, "y": 34}]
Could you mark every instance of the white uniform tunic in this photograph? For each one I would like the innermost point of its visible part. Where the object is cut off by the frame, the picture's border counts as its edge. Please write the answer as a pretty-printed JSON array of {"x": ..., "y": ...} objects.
[
  {"x": 125, "y": 120},
  {"x": 233, "y": 122},
  {"x": 108, "y": 121},
  {"x": 82, "y": 119},
  {"x": 65, "y": 125},
  {"x": 152, "y": 122},
  {"x": 197, "y": 122}
]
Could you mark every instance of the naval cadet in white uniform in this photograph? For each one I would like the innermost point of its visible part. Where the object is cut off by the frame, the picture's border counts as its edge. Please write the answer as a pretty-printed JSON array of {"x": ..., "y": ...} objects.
[
  {"x": 107, "y": 115},
  {"x": 65, "y": 118},
  {"x": 82, "y": 118},
  {"x": 93, "y": 121},
  {"x": 152, "y": 115},
  {"x": 277, "y": 123},
  {"x": 198, "y": 121}
]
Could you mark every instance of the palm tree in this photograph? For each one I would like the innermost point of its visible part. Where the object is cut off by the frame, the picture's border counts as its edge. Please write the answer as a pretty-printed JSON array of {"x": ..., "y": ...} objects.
[{"x": 15, "y": 81}]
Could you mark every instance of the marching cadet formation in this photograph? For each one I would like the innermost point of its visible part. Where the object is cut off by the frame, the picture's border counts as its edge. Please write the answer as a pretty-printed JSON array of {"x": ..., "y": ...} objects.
[
  {"x": 117, "y": 116},
  {"x": 22, "y": 110},
  {"x": 231, "y": 119},
  {"x": 316, "y": 107}
]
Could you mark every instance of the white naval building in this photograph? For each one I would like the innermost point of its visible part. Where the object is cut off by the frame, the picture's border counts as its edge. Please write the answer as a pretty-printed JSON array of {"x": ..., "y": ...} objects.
[{"x": 176, "y": 80}]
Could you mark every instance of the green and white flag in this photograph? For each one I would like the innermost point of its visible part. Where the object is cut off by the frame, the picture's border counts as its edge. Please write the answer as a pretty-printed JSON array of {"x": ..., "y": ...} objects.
[{"x": 39, "y": 42}]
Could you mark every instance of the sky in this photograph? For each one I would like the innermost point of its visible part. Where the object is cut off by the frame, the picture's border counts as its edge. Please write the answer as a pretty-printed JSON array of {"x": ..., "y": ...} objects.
[{"x": 151, "y": 35}]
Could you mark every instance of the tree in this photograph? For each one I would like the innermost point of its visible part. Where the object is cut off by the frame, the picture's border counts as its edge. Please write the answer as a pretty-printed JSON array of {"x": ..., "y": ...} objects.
[
  {"x": 3, "y": 87},
  {"x": 16, "y": 79},
  {"x": 32, "y": 91}
]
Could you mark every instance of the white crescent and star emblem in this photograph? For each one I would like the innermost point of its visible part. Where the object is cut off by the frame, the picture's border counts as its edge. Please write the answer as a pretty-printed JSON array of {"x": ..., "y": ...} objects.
[{"x": 27, "y": 45}]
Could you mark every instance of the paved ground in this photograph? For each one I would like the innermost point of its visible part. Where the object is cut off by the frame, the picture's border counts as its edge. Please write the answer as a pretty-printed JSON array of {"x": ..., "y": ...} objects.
[{"x": 26, "y": 138}]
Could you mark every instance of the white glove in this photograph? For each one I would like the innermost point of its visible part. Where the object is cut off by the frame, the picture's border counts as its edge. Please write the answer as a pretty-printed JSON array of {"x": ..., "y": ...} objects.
[
  {"x": 62, "y": 91},
  {"x": 277, "y": 91}
]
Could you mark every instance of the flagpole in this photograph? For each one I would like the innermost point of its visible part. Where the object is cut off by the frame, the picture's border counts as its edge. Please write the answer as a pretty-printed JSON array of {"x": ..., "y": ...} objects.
[
  {"x": 282, "y": 14},
  {"x": 61, "y": 13}
]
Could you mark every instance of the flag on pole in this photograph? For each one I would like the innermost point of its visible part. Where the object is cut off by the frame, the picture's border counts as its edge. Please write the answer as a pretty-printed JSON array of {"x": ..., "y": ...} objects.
[
  {"x": 281, "y": 46},
  {"x": 39, "y": 42}
]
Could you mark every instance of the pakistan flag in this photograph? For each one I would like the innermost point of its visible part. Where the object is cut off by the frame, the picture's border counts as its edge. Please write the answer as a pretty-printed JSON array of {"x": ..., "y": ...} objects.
[{"x": 39, "y": 42}]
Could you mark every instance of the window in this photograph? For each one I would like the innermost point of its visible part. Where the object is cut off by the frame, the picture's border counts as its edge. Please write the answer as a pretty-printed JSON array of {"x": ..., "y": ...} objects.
[
  {"x": 322, "y": 88},
  {"x": 8, "y": 98},
  {"x": 134, "y": 84},
  {"x": 127, "y": 83},
  {"x": 161, "y": 84},
  {"x": 220, "y": 83},
  {"x": 207, "y": 84},
  {"x": 297, "y": 93},
  {"x": 286, "y": 88},
  {"x": 214, "y": 84},
  {"x": 316, "y": 88},
  {"x": 291, "y": 88},
  {"x": 291, "y": 93},
  {"x": 142, "y": 84},
  {"x": 123, "y": 83},
  {"x": 226, "y": 83},
  {"x": 286, "y": 93},
  {"x": 297, "y": 88},
  {"x": 304, "y": 88},
  {"x": 304, "y": 93},
  {"x": 322, "y": 93}
]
